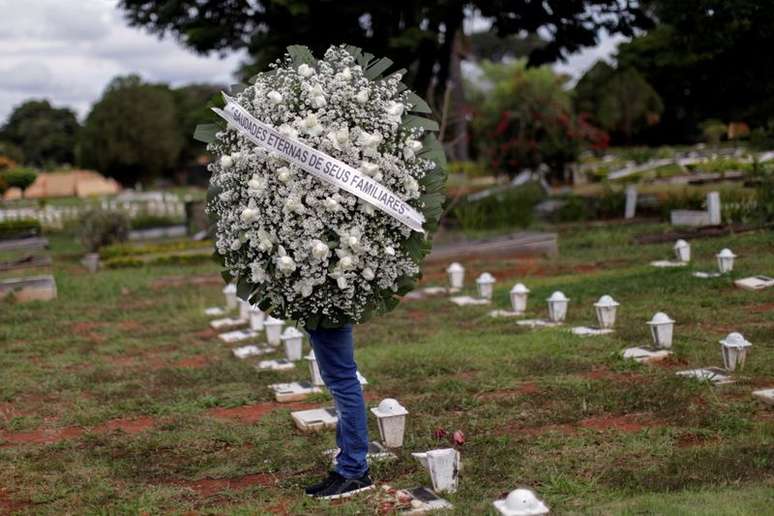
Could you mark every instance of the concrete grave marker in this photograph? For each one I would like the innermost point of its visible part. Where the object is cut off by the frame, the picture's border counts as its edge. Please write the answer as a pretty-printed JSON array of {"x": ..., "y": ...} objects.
[
  {"x": 243, "y": 352},
  {"x": 713, "y": 209},
  {"x": 755, "y": 283},
  {"x": 705, "y": 275},
  {"x": 765, "y": 395},
  {"x": 557, "y": 307},
  {"x": 662, "y": 330},
  {"x": 275, "y": 365},
  {"x": 423, "y": 500},
  {"x": 521, "y": 502},
  {"x": 585, "y": 331},
  {"x": 244, "y": 310},
  {"x": 456, "y": 274},
  {"x": 391, "y": 419},
  {"x": 228, "y": 322},
  {"x": 485, "y": 284},
  {"x": 725, "y": 261},
  {"x": 315, "y": 419},
  {"x": 708, "y": 374},
  {"x": 519, "y": 294},
  {"x": 238, "y": 336},
  {"x": 294, "y": 391},
  {"x": 644, "y": 355},
  {"x": 631, "y": 202},
  {"x": 734, "y": 349},
  {"x": 292, "y": 339},
  {"x": 663, "y": 264},
  {"x": 682, "y": 251},
  {"x": 504, "y": 313},
  {"x": 257, "y": 317},
  {"x": 537, "y": 323},
  {"x": 443, "y": 466},
  {"x": 214, "y": 311},
  {"x": 273, "y": 330},
  {"x": 229, "y": 291},
  {"x": 467, "y": 300}
]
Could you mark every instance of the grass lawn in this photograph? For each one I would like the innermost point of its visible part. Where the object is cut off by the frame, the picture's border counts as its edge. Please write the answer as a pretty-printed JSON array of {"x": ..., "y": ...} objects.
[{"x": 117, "y": 398}]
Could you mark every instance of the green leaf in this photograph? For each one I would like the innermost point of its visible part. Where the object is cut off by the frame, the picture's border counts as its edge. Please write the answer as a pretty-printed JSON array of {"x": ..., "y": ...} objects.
[
  {"x": 419, "y": 104},
  {"x": 237, "y": 88},
  {"x": 205, "y": 132},
  {"x": 301, "y": 55},
  {"x": 412, "y": 121},
  {"x": 244, "y": 288},
  {"x": 227, "y": 277},
  {"x": 377, "y": 68}
]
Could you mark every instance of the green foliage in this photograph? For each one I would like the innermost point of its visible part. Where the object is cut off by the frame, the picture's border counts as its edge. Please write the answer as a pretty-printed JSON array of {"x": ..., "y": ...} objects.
[
  {"x": 146, "y": 221},
  {"x": 764, "y": 192},
  {"x": 713, "y": 131},
  {"x": 19, "y": 177},
  {"x": 470, "y": 169},
  {"x": 44, "y": 135},
  {"x": 620, "y": 100},
  {"x": 192, "y": 106},
  {"x": 122, "y": 250},
  {"x": 10, "y": 229},
  {"x": 527, "y": 119},
  {"x": 10, "y": 151},
  {"x": 132, "y": 133},
  {"x": 508, "y": 209},
  {"x": 121, "y": 262},
  {"x": 100, "y": 228}
]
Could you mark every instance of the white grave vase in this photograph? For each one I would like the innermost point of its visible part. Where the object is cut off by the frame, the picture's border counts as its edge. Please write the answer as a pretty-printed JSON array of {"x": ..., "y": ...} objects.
[
  {"x": 456, "y": 274},
  {"x": 293, "y": 342},
  {"x": 257, "y": 316},
  {"x": 273, "y": 329}
]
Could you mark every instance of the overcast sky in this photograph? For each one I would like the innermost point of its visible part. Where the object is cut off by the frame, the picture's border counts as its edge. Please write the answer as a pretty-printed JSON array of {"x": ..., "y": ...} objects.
[{"x": 68, "y": 50}]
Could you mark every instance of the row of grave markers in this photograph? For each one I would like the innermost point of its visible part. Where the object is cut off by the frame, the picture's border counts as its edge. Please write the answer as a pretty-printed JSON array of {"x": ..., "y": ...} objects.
[
  {"x": 443, "y": 465},
  {"x": 733, "y": 347}
]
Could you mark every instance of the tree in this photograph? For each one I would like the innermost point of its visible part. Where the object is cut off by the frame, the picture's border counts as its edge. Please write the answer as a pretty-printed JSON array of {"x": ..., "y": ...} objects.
[
  {"x": 132, "y": 133},
  {"x": 526, "y": 119},
  {"x": 20, "y": 178},
  {"x": 706, "y": 59},
  {"x": 418, "y": 35},
  {"x": 191, "y": 103},
  {"x": 619, "y": 100},
  {"x": 46, "y": 135}
]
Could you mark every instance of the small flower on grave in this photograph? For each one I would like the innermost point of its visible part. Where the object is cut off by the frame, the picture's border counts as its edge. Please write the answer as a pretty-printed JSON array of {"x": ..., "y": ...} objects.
[
  {"x": 439, "y": 433},
  {"x": 458, "y": 438}
]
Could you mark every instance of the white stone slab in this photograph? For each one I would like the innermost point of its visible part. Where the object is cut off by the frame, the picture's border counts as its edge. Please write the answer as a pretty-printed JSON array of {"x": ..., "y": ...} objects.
[
  {"x": 765, "y": 395},
  {"x": 214, "y": 311},
  {"x": 295, "y": 391},
  {"x": 434, "y": 291},
  {"x": 467, "y": 300},
  {"x": 755, "y": 282},
  {"x": 667, "y": 263},
  {"x": 704, "y": 275},
  {"x": 228, "y": 322},
  {"x": 275, "y": 365},
  {"x": 238, "y": 336},
  {"x": 376, "y": 453},
  {"x": 538, "y": 323},
  {"x": 361, "y": 379},
  {"x": 644, "y": 355},
  {"x": 315, "y": 420},
  {"x": 710, "y": 374},
  {"x": 251, "y": 350},
  {"x": 423, "y": 500},
  {"x": 505, "y": 313},
  {"x": 585, "y": 331}
]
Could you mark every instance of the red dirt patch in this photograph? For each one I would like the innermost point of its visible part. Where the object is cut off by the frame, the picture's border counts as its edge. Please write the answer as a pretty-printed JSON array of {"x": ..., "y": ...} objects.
[
  {"x": 210, "y": 486},
  {"x": 9, "y": 505},
  {"x": 757, "y": 309},
  {"x": 604, "y": 373},
  {"x": 40, "y": 436},
  {"x": 627, "y": 423},
  {"x": 194, "y": 362},
  {"x": 206, "y": 334},
  {"x": 689, "y": 440},
  {"x": 129, "y": 426},
  {"x": 130, "y": 326},
  {"x": 254, "y": 413}
]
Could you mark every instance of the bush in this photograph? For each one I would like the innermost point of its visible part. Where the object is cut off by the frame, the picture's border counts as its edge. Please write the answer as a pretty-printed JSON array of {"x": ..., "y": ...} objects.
[
  {"x": 100, "y": 228},
  {"x": 10, "y": 229},
  {"x": 19, "y": 177},
  {"x": 470, "y": 169},
  {"x": 123, "y": 250},
  {"x": 510, "y": 208},
  {"x": 153, "y": 221},
  {"x": 764, "y": 192}
]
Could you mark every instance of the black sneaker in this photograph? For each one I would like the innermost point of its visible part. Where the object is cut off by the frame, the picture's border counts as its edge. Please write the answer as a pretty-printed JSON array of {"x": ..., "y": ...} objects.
[
  {"x": 319, "y": 486},
  {"x": 345, "y": 487}
]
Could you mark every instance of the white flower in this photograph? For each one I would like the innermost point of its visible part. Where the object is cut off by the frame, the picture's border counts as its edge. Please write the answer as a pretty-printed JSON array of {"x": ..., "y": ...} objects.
[
  {"x": 318, "y": 102},
  {"x": 341, "y": 281},
  {"x": 319, "y": 249},
  {"x": 257, "y": 274},
  {"x": 368, "y": 168},
  {"x": 368, "y": 274},
  {"x": 293, "y": 203},
  {"x": 288, "y": 131},
  {"x": 317, "y": 96},
  {"x": 394, "y": 111},
  {"x": 286, "y": 264},
  {"x": 362, "y": 96},
  {"x": 264, "y": 241},
  {"x": 369, "y": 141},
  {"x": 226, "y": 162},
  {"x": 346, "y": 262},
  {"x": 311, "y": 125},
  {"x": 411, "y": 185},
  {"x": 353, "y": 241},
  {"x": 411, "y": 148},
  {"x": 331, "y": 204},
  {"x": 274, "y": 96},
  {"x": 305, "y": 70},
  {"x": 236, "y": 244},
  {"x": 256, "y": 185},
  {"x": 345, "y": 75},
  {"x": 389, "y": 251},
  {"x": 250, "y": 213},
  {"x": 339, "y": 138},
  {"x": 283, "y": 174}
]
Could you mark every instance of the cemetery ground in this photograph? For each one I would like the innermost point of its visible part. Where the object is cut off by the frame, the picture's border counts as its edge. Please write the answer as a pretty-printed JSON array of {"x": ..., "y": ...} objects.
[{"x": 116, "y": 397}]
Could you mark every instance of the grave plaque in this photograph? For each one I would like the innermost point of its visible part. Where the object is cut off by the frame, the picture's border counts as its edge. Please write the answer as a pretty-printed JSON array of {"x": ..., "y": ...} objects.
[
  {"x": 275, "y": 365},
  {"x": 295, "y": 391},
  {"x": 238, "y": 336},
  {"x": 714, "y": 375},
  {"x": 315, "y": 419},
  {"x": 755, "y": 283},
  {"x": 765, "y": 395}
]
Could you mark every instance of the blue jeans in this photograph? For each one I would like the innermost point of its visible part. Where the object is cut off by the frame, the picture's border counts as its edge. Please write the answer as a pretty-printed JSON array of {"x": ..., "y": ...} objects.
[{"x": 334, "y": 350}]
